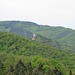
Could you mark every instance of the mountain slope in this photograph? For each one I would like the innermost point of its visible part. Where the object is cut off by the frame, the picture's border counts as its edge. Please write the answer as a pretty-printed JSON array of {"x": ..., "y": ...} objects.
[
  {"x": 64, "y": 37},
  {"x": 15, "y": 45},
  {"x": 19, "y": 45}
]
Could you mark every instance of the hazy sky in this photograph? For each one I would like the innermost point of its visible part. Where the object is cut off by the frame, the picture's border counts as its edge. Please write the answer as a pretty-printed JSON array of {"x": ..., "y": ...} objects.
[{"x": 49, "y": 12}]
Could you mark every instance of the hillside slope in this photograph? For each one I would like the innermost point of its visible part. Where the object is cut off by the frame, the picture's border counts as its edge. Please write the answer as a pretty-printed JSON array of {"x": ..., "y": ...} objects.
[
  {"x": 15, "y": 44},
  {"x": 14, "y": 47},
  {"x": 63, "y": 38},
  {"x": 18, "y": 45}
]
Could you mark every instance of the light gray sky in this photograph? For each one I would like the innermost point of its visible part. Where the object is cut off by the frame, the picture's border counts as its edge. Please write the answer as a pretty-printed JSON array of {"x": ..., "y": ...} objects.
[{"x": 49, "y": 12}]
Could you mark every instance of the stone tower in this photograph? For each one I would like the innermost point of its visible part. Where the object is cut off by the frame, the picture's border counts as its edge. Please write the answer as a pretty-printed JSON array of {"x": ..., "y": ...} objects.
[{"x": 33, "y": 37}]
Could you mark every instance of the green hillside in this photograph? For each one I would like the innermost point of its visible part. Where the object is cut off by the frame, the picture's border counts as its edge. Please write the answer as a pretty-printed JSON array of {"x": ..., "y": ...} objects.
[
  {"x": 16, "y": 51},
  {"x": 62, "y": 38},
  {"x": 15, "y": 44}
]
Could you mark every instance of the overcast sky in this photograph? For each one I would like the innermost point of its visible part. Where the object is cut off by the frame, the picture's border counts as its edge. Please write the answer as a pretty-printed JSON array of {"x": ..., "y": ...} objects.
[{"x": 49, "y": 12}]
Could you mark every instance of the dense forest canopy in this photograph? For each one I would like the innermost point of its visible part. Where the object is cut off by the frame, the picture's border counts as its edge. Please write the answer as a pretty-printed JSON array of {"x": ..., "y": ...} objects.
[
  {"x": 51, "y": 52},
  {"x": 21, "y": 56}
]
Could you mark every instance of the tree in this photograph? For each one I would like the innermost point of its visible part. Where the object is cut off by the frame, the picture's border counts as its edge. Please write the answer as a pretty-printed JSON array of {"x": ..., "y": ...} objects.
[
  {"x": 57, "y": 72},
  {"x": 2, "y": 68},
  {"x": 11, "y": 70},
  {"x": 29, "y": 69},
  {"x": 20, "y": 68},
  {"x": 70, "y": 72}
]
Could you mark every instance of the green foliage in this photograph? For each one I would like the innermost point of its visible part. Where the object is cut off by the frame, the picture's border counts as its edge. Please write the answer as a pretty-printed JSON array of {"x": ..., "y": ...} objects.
[
  {"x": 53, "y": 36},
  {"x": 70, "y": 73},
  {"x": 2, "y": 68},
  {"x": 20, "y": 56},
  {"x": 27, "y": 68},
  {"x": 19, "y": 68}
]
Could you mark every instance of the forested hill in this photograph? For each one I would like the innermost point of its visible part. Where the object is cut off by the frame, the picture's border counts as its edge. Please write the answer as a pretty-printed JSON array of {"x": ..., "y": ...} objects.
[
  {"x": 62, "y": 38},
  {"x": 20, "y": 56},
  {"x": 12, "y": 43}
]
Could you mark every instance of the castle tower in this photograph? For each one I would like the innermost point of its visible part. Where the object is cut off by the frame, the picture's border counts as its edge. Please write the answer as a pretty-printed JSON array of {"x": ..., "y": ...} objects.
[{"x": 33, "y": 37}]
